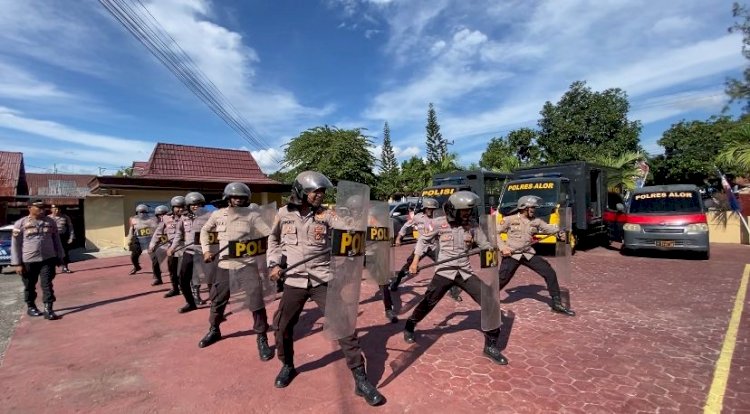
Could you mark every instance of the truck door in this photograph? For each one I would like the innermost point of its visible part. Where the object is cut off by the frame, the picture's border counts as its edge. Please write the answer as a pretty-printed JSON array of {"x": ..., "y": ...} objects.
[{"x": 597, "y": 200}]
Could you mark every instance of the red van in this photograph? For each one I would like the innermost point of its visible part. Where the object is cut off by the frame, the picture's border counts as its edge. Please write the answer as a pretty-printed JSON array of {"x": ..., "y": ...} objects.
[{"x": 665, "y": 217}]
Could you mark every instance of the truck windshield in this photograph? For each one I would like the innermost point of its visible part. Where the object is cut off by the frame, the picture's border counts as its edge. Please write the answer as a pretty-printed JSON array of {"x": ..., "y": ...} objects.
[
  {"x": 548, "y": 191},
  {"x": 666, "y": 202}
]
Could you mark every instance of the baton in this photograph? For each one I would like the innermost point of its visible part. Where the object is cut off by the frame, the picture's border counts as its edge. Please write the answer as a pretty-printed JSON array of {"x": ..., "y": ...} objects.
[
  {"x": 471, "y": 252},
  {"x": 534, "y": 242}
]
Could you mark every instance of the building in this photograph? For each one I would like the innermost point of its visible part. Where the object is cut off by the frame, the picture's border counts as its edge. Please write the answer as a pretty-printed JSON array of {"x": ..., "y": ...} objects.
[{"x": 171, "y": 170}]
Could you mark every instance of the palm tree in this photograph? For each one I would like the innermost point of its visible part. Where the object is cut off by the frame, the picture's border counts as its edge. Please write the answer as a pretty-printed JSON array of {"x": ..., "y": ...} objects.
[
  {"x": 737, "y": 154},
  {"x": 625, "y": 173}
]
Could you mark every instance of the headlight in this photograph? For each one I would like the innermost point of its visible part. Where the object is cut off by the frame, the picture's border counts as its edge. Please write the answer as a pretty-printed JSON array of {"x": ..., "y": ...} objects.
[
  {"x": 631, "y": 227},
  {"x": 697, "y": 227}
]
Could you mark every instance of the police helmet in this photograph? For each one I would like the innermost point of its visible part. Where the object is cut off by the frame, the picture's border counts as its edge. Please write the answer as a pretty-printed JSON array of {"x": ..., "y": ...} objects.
[
  {"x": 162, "y": 209},
  {"x": 429, "y": 203},
  {"x": 141, "y": 208},
  {"x": 177, "y": 201},
  {"x": 236, "y": 189},
  {"x": 194, "y": 198},
  {"x": 306, "y": 182},
  {"x": 460, "y": 200},
  {"x": 527, "y": 201}
]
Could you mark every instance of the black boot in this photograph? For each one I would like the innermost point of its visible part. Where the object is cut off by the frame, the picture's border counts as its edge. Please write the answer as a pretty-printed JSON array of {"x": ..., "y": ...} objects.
[
  {"x": 172, "y": 292},
  {"x": 157, "y": 281},
  {"x": 455, "y": 294},
  {"x": 391, "y": 315},
  {"x": 187, "y": 308},
  {"x": 409, "y": 332},
  {"x": 557, "y": 306},
  {"x": 197, "y": 295},
  {"x": 49, "y": 314},
  {"x": 364, "y": 388},
  {"x": 213, "y": 335},
  {"x": 33, "y": 310},
  {"x": 285, "y": 377},
  {"x": 264, "y": 351},
  {"x": 491, "y": 349},
  {"x": 397, "y": 281}
]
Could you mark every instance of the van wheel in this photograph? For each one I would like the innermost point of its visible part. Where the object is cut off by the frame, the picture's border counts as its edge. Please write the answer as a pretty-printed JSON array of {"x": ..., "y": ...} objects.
[{"x": 705, "y": 255}]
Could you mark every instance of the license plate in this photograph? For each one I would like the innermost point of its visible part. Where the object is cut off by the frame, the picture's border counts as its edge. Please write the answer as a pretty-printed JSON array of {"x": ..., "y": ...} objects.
[{"x": 665, "y": 243}]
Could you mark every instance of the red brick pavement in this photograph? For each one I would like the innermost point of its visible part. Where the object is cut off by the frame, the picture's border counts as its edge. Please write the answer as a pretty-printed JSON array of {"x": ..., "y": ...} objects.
[{"x": 646, "y": 339}]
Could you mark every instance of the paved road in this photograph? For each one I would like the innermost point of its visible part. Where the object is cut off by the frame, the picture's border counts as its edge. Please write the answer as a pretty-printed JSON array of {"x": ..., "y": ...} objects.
[{"x": 648, "y": 338}]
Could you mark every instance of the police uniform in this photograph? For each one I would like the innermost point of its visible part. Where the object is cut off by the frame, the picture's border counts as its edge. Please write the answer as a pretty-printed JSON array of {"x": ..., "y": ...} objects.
[
  {"x": 140, "y": 233},
  {"x": 36, "y": 247},
  {"x": 67, "y": 235},
  {"x": 168, "y": 227},
  {"x": 230, "y": 227},
  {"x": 184, "y": 240}
]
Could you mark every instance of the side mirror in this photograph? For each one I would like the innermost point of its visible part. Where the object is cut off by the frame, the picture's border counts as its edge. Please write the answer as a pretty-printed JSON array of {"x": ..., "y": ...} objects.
[
  {"x": 395, "y": 214},
  {"x": 620, "y": 208}
]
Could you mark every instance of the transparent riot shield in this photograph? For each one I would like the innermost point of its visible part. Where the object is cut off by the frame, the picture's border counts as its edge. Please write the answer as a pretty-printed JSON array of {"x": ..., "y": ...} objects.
[
  {"x": 487, "y": 273},
  {"x": 161, "y": 256},
  {"x": 347, "y": 259},
  {"x": 379, "y": 261},
  {"x": 203, "y": 273},
  {"x": 561, "y": 261},
  {"x": 247, "y": 230}
]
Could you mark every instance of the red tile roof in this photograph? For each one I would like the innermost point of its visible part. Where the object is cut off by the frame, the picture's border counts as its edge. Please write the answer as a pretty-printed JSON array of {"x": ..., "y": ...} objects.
[
  {"x": 62, "y": 185},
  {"x": 12, "y": 174},
  {"x": 139, "y": 168},
  {"x": 202, "y": 163}
]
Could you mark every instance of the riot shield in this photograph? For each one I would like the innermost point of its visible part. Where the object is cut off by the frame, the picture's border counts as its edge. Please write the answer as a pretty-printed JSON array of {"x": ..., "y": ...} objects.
[
  {"x": 561, "y": 261},
  {"x": 347, "y": 259},
  {"x": 490, "y": 292},
  {"x": 161, "y": 256},
  {"x": 203, "y": 273},
  {"x": 249, "y": 284},
  {"x": 379, "y": 261}
]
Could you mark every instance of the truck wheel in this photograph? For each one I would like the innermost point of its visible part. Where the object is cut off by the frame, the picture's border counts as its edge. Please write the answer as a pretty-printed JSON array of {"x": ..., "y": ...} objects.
[{"x": 705, "y": 255}]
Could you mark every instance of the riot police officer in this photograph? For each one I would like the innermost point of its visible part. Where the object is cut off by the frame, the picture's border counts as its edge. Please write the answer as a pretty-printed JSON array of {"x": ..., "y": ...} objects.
[
  {"x": 66, "y": 232},
  {"x": 168, "y": 228},
  {"x": 521, "y": 228},
  {"x": 185, "y": 239},
  {"x": 301, "y": 230},
  {"x": 141, "y": 229},
  {"x": 231, "y": 226},
  {"x": 455, "y": 234},
  {"x": 422, "y": 222},
  {"x": 35, "y": 251}
]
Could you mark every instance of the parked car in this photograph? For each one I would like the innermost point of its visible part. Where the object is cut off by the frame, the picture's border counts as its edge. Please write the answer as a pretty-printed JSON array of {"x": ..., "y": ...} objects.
[
  {"x": 400, "y": 214},
  {"x": 5, "y": 235}
]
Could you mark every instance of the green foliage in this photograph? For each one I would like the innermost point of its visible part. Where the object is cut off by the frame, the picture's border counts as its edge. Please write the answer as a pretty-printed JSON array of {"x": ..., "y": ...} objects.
[
  {"x": 340, "y": 154},
  {"x": 124, "y": 172},
  {"x": 625, "y": 169},
  {"x": 736, "y": 155},
  {"x": 584, "y": 124},
  {"x": 388, "y": 181},
  {"x": 691, "y": 149},
  {"x": 517, "y": 150},
  {"x": 414, "y": 175},
  {"x": 738, "y": 90},
  {"x": 436, "y": 145}
]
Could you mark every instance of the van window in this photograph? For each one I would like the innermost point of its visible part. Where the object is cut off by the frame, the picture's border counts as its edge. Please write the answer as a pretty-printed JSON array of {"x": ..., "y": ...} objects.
[{"x": 666, "y": 202}]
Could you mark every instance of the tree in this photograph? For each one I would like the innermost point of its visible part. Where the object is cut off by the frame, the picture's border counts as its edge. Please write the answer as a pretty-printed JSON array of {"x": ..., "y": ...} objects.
[
  {"x": 436, "y": 145},
  {"x": 736, "y": 155},
  {"x": 340, "y": 154},
  {"x": 739, "y": 89},
  {"x": 124, "y": 172},
  {"x": 388, "y": 183},
  {"x": 691, "y": 149},
  {"x": 446, "y": 163},
  {"x": 584, "y": 124},
  {"x": 414, "y": 175},
  {"x": 624, "y": 170},
  {"x": 517, "y": 150},
  {"x": 522, "y": 143}
]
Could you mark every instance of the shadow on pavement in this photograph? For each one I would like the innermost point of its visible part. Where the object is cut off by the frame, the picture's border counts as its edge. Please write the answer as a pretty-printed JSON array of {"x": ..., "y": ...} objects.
[
  {"x": 519, "y": 293},
  {"x": 81, "y": 308}
]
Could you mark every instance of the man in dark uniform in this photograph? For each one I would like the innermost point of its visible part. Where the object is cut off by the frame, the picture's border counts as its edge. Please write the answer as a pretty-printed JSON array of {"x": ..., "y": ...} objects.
[
  {"x": 141, "y": 228},
  {"x": 35, "y": 250},
  {"x": 66, "y": 232},
  {"x": 521, "y": 228},
  {"x": 456, "y": 234},
  {"x": 236, "y": 222},
  {"x": 168, "y": 227},
  {"x": 302, "y": 229},
  {"x": 422, "y": 222}
]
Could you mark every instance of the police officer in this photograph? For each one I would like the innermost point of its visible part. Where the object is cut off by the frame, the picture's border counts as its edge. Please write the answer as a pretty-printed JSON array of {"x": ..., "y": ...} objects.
[
  {"x": 66, "y": 232},
  {"x": 302, "y": 229},
  {"x": 35, "y": 251},
  {"x": 237, "y": 195},
  {"x": 168, "y": 227},
  {"x": 141, "y": 228},
  {"x": 521, "y": 228},
  {"x": 186, "y": 229},
  {"x": 456, "y": 234},
  {"x": 422, "y": 222}
]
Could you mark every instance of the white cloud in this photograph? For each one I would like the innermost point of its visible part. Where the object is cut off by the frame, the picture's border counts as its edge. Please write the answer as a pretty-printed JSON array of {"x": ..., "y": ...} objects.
[
  {"x": 18, "y": 84},
  {"x": 674, "y": 24},
  {"x": 407, "y": 152},
  {"x": 269, "y": 160},
  {"x": 666, "y": 106}
]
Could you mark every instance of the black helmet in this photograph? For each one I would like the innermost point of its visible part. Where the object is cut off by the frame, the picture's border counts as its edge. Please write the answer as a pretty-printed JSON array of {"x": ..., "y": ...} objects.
[
  {"x": 460, "y": 200},
  {"x": 236, "y": 189},
  {"x": 306, "y": 182},
  {"x": 195, "y": 198},
  {"x": 177, "y": 201},
  {"x": 141, "y": 208},
  {"x": 160, "y": 210}
]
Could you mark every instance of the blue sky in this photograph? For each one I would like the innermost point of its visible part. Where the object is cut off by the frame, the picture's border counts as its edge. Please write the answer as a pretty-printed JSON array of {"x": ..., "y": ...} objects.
[{"x": 78, "y": 92}]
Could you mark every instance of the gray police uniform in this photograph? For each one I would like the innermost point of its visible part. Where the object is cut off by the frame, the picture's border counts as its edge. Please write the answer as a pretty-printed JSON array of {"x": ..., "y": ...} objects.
[
  {"x": 297, "y": 238},
  {"x": 424, "y": 225},
  {"x": 168, "y": 228},
  {"x": 140, "y": 233},
  {"x": 36, "y": 246},
  {"x": 65, "y": 230}
]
